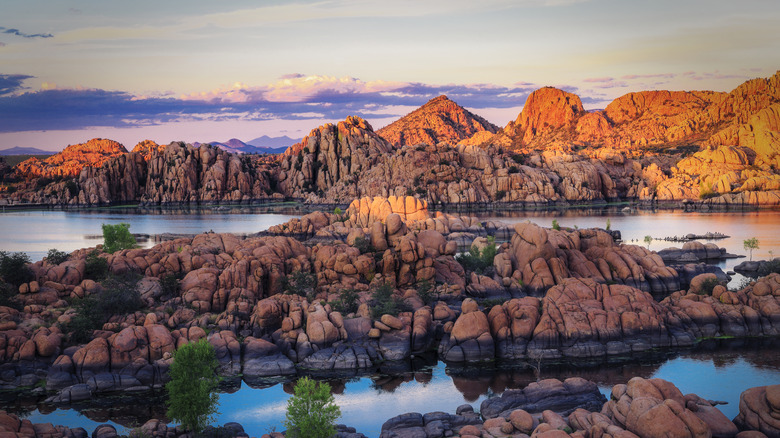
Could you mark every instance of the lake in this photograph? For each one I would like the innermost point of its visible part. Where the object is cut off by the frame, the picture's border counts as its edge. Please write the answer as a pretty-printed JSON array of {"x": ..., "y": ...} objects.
[{"x": 715, "y": 370}]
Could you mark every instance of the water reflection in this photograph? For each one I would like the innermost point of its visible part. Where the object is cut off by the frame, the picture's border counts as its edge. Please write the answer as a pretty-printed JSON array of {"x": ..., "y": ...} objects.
[{"x": 715, "y": 370}]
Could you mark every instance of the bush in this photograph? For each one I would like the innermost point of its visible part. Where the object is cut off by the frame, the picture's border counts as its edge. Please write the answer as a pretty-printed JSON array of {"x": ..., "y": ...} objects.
[
  {"x": 311, "y": 411},
  {"x": 500, "y": 194},
  {"x": 55, "y": 257},
  {"x": 555, "y": 225},
  {"x": 476, "y": 260},
  {"x": 513, "y": 169},
  {"x": 96, "y": 267},
  {"x": 362, "y": 244},
  {"x": 118, "y": 297},
  {"x": 170, "y": 284},
  {"x": 347, "y": 302},
  {"x": 337, "y": 211},
  {"x": 384, "y": 303},
  {"x": 301, "y": 283},
  {"x": 117, "y": 237},
  {"x": 192, "y": 396},
  {"x": 8, "y": 296},
  {"x": 14, "y": 270},
  {"x": 708, "y": 285},
  {"x": 426, "y": 292}
]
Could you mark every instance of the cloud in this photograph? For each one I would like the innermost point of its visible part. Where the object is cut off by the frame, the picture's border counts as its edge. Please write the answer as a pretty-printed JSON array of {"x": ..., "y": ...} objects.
[
  {"x": 650, "y": 76},
  {"x": 17, "y": 32},
  {"x": 292, "y": 97},
  {"x": 604, "y": 79},
  {"x": 12, "y": 83}
]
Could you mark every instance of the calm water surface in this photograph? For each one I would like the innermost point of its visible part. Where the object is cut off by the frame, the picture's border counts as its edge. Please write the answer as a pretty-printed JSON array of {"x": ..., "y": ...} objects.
[{"x": 716, "y": 371}]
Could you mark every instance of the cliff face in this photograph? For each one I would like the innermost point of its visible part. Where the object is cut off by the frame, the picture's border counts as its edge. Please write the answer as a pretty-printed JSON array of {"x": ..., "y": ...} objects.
[
  {"x": 439, "y": 120},
  {"x": 332, "y": 155},
  {"x": 71, "y": 160}
]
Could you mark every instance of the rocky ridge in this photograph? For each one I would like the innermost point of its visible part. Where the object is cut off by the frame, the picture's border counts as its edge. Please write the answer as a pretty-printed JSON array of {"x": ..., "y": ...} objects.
[
  {"x": 439, "y": 120},
  {"x": 72, "y": 159},
  {"x": 640, "y": 148}
]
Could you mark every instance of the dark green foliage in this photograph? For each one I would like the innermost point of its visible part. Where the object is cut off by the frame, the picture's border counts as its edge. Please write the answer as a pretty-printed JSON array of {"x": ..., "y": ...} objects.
[
  {"x": 301, "y": 283},
  {"x": 311, "y": 411},
  {"x": 362, "y": 244},
  {"x": 8, "y": 296},
  {"x": 444, "y": 162},
  {"x": 170, "y": 284},
  {"x": 476, "y": 260},
  {"x": 518, "y": 158},
  {"x": 117, "y": 237},
  {"x": 192, "y": 396},
  {"x": 708, "y": 285},
  {"x": 96, "y": 266},
  {"x": 43, "y": 182},
  {"x": 500, "y": 194},
  {"x": 118, "y": 297},
  {"x": 55, "y": 257},
  {"x": 383, "y": 302},
  {"x": 72, "y": 187},
  {"x": 347, "y": 302},
  {"x": 513, "y": 169},
  {"x": 13, "y": 268},
  {"x": 555, "y": 225},
  {"x": 426, "y": 292}
]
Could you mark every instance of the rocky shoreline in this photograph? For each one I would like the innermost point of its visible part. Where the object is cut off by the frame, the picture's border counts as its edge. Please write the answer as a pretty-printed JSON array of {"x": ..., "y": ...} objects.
[{"x": 546, "y": 294}]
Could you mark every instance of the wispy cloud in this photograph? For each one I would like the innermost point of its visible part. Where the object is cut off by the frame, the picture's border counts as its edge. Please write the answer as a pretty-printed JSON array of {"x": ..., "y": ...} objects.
[
  {"x": 17, "y": 32},
  {"x": 12, "y": 83},
  {"x": 293, "y": 97}
]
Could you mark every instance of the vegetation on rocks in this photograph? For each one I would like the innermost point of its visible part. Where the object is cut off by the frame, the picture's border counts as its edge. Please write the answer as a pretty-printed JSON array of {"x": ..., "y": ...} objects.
[
  {"x": 117, "y": 237},
  {"x": 13, "y": 268},
  {"x": 55, "y": 256},
  {"x": 750, "y": 245}
]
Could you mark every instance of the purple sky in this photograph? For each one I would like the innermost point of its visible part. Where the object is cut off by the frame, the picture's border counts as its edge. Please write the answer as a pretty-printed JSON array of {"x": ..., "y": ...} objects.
[{"x": 211, "y": 71}]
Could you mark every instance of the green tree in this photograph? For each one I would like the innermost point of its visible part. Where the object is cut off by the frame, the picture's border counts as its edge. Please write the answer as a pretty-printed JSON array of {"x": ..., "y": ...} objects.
[
  {"x": 648, "y": 241},
  {"x": 311, "y": 411},
  {"x": 192, "y": 397},
  {"x": 55, "y": 256},
  {"x": 14, "y": 270},
  {"x": 555, "y": 225},
  {"x": 117, "y": 237},
  {"x": 750, "y": 245}
]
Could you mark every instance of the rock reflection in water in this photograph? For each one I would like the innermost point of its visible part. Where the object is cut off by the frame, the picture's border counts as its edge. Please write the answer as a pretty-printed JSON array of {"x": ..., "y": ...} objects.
[{"x": 715, "y": 369}]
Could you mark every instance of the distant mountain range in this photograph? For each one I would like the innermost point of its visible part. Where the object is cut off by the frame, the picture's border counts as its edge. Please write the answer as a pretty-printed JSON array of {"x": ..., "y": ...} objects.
[
  {"x": 260, "y": 145},
  {"x": 26, "y": 151}
]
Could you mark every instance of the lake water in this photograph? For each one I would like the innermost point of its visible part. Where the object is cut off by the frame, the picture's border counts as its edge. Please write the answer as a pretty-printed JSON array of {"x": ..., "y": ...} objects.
[{"x": 719, "y": 370}]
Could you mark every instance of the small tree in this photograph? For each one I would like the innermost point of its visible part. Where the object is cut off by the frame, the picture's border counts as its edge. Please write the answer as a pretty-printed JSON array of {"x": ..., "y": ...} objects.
[
  {"x": 311, "y": 411},
  {"x": 609, "y": 224},
  {"x": 55, "y": 256},
  {"x": 192, "y": 399},
  {"x": 555, "y": 225},
  {"x": 648, "y": 241},
  {"x": 750, "y": 245},
  {"x": 117, "y": 237},
  {"x": 14, "y": 270}
]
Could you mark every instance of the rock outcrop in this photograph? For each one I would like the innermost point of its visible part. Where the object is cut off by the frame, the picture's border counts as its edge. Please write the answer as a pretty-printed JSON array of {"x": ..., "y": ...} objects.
[
  {"x": 439, "y": 120},
  {"x": 72, "y": 159}
]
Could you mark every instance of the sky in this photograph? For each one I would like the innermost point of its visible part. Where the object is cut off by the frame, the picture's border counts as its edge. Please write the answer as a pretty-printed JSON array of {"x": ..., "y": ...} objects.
[{"x": 200, "y": 70}]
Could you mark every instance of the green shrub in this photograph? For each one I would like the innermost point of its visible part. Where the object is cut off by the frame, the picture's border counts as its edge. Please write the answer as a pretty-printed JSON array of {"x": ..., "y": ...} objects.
[
  {"x": 500, "y": 194},
  {"x": 13, "y": 268},
  {"x": 170, "y": 284},
  {"x": 426, "y": 291},
  {"x": 337, "y": 211},
  {"x": 96, "y": 267},
  {"x": 476, "y": 260},
  {"x": 55, "y": 257},
  {"x": 8, "y": 296},
  {"x": 301, "y": 283},
  {"x": 513, "y": 169},
  {"x": 192, "y": 396},
  {"x": 117, "y": 237},
  {"x": 72, "y": 187},
  {"x": 384, "y": 302},
  {"x": 708, "y": 285},
  {"x": 119, "y": 296},
  {"x": 311, "y": 411},
  {"x": 362, "y": 244},
  {"x": 750, "y": 245},
  {"x": 555, "y": 225},
  {"x": 347, "y": 302},
  {"x": 609, "y": 224}
]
